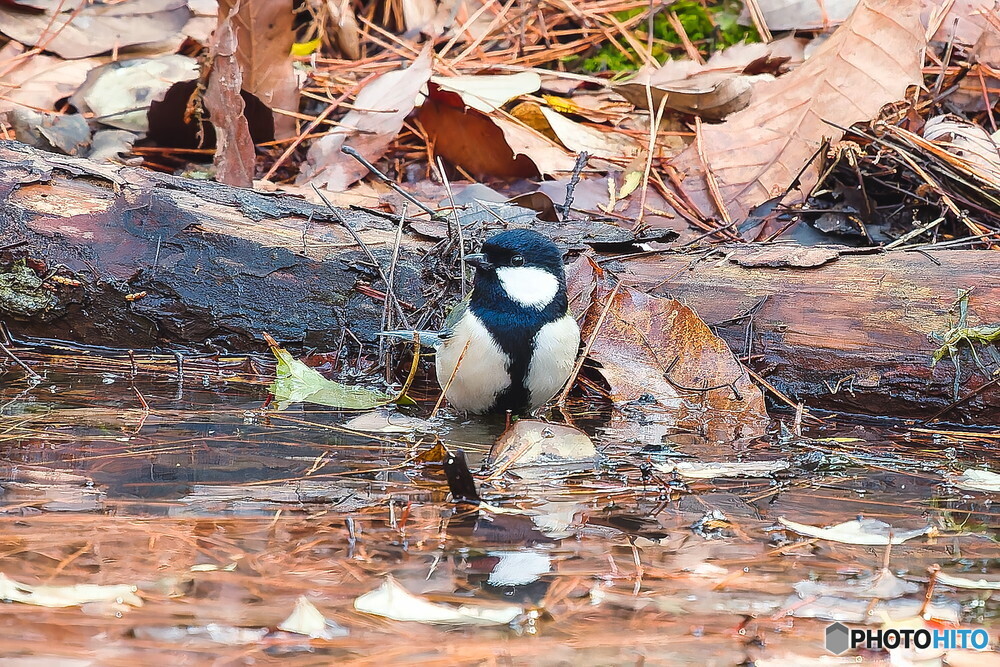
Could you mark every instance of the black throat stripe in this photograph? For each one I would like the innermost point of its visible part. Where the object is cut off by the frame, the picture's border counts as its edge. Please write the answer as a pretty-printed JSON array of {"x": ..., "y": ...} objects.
[{"x": 514, "y": 328}]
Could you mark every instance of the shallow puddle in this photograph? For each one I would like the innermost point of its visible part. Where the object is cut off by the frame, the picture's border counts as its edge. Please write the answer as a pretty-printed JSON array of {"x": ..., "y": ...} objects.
[{"x": 222, "y": 515}]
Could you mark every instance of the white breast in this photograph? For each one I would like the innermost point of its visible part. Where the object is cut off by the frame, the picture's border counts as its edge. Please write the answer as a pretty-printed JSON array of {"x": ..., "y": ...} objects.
[
  {"x": 528, "y": 286},
  {"x": 483, "y": 371},
  {"x": 556, "y": 345}
]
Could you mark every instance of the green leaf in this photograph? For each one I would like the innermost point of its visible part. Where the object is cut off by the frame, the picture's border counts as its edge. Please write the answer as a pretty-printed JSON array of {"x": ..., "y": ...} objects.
[{"x": 297, "y": 382}]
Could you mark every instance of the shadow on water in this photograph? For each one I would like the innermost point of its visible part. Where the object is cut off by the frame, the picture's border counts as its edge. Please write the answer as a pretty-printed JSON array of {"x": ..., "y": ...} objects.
[{"x": 223, "y": 514}]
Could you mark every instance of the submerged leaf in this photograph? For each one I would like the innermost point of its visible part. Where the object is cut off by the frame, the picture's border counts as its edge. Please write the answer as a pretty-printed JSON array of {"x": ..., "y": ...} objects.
[
  {"x": 717, "y": 469},
  {"x": 539, "y": 449},
  {"x": 393, "y": 601},
  {"x": 307, "y": 620},
  {"x": 963, "y": 582},
  {"x": 67, "y": 596},
  {"x": 978, "y": 480},
  {"x": 857, "y": 531}
]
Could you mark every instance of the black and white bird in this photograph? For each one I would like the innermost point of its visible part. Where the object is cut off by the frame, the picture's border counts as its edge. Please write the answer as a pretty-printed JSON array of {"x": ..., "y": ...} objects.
[{"x": 514, "y": 334}]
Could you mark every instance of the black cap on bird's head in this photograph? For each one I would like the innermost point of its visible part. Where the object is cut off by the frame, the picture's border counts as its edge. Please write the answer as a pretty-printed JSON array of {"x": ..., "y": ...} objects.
[
  {"x": 521, "y": 265},
  {"x": 516, "y": 248}
]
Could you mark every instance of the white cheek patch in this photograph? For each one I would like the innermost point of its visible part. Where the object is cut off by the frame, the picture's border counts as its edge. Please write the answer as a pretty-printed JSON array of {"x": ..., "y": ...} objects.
[{"x": 529, "y": 287}]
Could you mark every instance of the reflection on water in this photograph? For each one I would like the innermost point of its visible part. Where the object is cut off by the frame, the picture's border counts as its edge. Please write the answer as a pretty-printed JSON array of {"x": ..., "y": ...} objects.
[{"x": 224, "y": 514}]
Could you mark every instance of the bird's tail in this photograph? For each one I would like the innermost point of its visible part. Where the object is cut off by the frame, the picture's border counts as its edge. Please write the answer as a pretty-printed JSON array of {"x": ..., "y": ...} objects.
[{"x": 428, "y": 338}]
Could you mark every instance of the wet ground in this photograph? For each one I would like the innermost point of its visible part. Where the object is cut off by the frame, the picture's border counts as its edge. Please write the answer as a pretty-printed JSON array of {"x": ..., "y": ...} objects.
[{"x": 222, "y": 515}]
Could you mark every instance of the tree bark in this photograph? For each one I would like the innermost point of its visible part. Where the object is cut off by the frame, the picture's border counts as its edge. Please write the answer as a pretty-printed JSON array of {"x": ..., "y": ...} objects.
[
  {"x": 225, "y": 264},
  {"x": 214, "y": 262},
  {"x": 852, "y": 335}
]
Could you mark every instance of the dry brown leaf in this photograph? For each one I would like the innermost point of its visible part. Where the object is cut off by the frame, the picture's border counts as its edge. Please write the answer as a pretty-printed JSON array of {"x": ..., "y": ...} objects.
[
  {"x": 965, "y": 20},
  {"x": 985, "y": 55},
  {"x": 120, "y": 93},
  {"x": 264, "y": 39},
  {"x": 95, "y": 28},
  {"x": 717, "y": 88},
  {"x": 437, "y": 17},
  {"x": 340, "y": 26},
  {"x": 380, "y": 109},
  {"x": 488, "y": 93},
  {"x": 780, "y": 15},
  {"x": 868, "y": 62},
  {"x": 488, "y": 145},
  {"x": 579, "y": 138},
  {"x": 40, "y": 81},
  {"x": 234, "y": 151},
  {"x": 658, "y": 347}
]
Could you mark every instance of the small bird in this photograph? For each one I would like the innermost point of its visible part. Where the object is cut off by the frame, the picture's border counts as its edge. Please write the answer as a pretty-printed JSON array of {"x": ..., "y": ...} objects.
[{"x": 513, "y": 339}]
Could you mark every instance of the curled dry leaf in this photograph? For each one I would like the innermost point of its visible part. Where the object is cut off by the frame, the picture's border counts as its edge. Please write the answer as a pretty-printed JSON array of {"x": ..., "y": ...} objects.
[
  {"x": 857, "y": 531},
  {"x": 72, "y": 30},
  {"x": 264, "y": 38},
  {"x": 970, "y": 145},
  {"x": 757, "y": 152},
  {"x": 340, "y": 26},
  {"x": 577, "y": 137},
  {"x": 393, "y": 601},
  {"x": 717, "y": 88},
  {"x": 234, "y": 160},
  {"x": 119, "y": 93},
  {"x": 656, "y": 347},
  {"x": 39, "y": 81},
  {"x": 380, "y": 109}
]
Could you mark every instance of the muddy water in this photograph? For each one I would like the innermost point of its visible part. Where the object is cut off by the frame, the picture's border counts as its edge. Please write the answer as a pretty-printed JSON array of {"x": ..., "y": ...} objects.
[{"x": 222, "y": 515}]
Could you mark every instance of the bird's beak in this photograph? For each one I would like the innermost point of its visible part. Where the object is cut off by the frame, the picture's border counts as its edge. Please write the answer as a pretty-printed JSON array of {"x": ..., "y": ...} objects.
[{"x": 479, "y": 261}]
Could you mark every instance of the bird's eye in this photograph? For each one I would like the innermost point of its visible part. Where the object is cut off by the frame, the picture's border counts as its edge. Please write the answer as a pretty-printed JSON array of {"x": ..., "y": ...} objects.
[{"x": 517, "y": 260}]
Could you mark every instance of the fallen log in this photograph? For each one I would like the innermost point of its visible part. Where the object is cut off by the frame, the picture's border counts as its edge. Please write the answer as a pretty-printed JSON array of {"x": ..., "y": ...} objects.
[
  {"x": 853, "y": 334},
  {"x": 118, "y": 256},
  {"x": 145, "y": 259}
]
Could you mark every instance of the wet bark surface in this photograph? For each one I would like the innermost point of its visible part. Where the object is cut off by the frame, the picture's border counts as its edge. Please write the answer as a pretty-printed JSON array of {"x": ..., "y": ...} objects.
[
  {"x": 855, "y": 334},
  {"x": 214, "y": 262}
]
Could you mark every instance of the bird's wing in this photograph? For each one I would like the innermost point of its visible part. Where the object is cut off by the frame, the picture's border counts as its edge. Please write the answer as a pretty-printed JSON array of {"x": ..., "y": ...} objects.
[
  {"x": 428, "y": 338},
  {"x": 454, "y": 315},
  {"x": 435, "y": 338}
]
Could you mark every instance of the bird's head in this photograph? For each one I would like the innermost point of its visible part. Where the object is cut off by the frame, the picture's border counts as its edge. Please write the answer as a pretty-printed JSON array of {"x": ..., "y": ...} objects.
[{"x": 521, "y": 266}]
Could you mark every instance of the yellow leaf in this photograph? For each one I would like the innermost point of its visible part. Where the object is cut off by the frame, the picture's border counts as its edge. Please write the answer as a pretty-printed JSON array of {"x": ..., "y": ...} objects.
[
  {"x": 306, "y": 48},
  {"x": 561, "y": 104}
]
